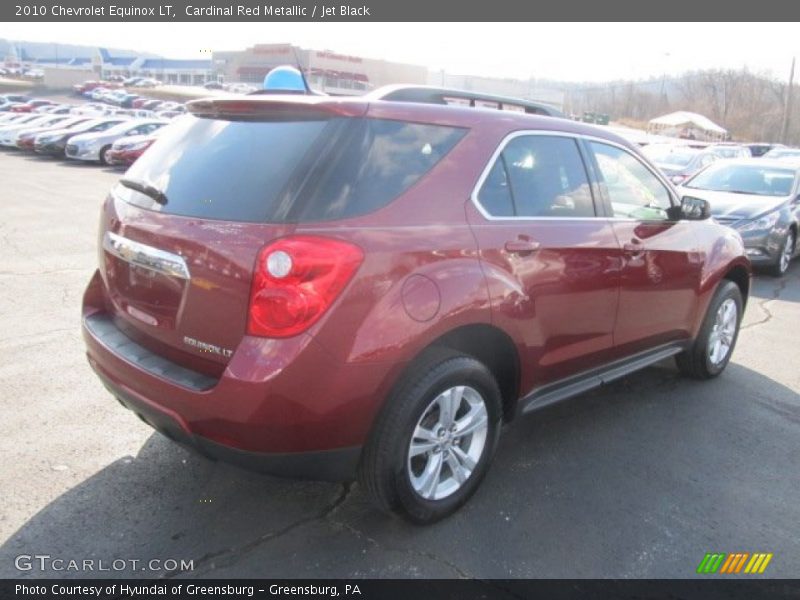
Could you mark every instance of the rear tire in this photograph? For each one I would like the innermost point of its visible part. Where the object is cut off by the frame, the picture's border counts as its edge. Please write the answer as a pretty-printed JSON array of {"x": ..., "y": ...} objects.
[
  {"x": 712, "y": 349},
  {"x": 416, "y": 462}
]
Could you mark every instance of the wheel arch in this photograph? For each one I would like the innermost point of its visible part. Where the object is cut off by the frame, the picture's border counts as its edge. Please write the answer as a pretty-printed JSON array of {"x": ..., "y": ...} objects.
[
  {"x": 739, "y": 275},
  {"x": 491, "y": 346}
]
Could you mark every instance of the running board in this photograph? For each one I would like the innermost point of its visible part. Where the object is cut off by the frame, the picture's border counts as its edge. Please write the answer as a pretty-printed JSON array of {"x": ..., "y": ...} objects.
[{"x": 577, "y": 384}]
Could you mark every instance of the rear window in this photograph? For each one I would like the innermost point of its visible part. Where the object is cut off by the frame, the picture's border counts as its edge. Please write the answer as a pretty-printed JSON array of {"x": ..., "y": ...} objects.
[{"x": 285, "y": 171}]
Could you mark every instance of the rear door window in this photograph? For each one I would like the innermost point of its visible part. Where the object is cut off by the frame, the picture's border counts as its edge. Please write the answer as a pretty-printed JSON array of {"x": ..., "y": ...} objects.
[
  {"x": 538, "y": 176},
  {"x": 370, "y": 162},
  {"x": 495, "y": 195}
]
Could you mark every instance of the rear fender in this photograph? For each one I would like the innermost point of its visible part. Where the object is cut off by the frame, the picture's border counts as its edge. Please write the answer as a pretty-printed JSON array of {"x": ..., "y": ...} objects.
[{"x": 419, "y": 308}]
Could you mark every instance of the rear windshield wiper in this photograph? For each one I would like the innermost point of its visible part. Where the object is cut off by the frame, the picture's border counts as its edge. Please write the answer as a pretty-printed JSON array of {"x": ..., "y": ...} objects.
[{"x": 146, "y": 189}]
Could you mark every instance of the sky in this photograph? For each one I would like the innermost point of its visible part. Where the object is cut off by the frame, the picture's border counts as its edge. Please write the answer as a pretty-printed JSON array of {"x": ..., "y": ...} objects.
[{"x": 561, "y": 51}]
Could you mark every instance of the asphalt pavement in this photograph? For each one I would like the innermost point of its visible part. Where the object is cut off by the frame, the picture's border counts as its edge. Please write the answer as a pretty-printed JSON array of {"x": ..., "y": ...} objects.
[{"x": 640, "y": 478}]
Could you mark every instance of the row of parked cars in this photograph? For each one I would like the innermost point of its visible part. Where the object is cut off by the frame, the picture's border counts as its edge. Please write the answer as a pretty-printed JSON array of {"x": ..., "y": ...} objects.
[
  {"x": 755, "y": 189},
  {"x": 21, "y": 72},
  {"x": 108, "y": 94},
  {"x": 752, "y": 188},
  {"x": 79, "y": 133},
  {"x": 679, "y": 161},
  {"x": 117, "y": 81}
]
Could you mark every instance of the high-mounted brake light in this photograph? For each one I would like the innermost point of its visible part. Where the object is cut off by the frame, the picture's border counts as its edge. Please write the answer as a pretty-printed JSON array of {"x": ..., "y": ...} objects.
[
  {"x": 298, "y": 107},
  {"x": 296, "y": 280}
]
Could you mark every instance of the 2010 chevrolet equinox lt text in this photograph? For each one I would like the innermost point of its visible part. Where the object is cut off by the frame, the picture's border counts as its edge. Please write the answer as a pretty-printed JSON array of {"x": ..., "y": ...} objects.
[{"x": 335, "y": 288}]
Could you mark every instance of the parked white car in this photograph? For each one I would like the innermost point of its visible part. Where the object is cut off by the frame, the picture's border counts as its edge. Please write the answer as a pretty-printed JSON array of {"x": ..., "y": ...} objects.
[{"x": 8, "y": 134}]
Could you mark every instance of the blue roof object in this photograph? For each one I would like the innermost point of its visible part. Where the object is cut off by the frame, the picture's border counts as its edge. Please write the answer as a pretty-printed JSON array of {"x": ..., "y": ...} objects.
[{"x": 285, "y": 79}]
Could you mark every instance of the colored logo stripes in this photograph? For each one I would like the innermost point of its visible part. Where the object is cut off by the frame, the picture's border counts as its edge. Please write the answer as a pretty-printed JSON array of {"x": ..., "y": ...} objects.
[{"x": 737, "y": 562}]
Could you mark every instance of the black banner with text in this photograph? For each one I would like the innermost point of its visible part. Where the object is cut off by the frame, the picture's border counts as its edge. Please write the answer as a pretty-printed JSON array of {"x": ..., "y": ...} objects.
[
  {"x": 392, "y": 10},
  {"x": 552, "y": 589}
]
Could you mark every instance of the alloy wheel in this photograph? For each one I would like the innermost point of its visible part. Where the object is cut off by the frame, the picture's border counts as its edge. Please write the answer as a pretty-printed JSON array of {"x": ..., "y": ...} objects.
[
  {"x": 723, "y": 332},
  {"x": 786, "y": 253},
  {"x": 447, "y": 442}
]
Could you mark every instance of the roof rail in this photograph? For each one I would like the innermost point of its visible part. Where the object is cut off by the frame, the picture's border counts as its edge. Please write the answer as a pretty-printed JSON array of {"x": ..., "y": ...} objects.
[{"x": 439, "y": 95}]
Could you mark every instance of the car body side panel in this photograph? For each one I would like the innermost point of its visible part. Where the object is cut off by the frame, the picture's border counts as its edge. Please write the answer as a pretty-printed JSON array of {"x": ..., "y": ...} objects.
[
  {"x": 659, "y": 286},
  {"x": 723, "y": 251},
  {"x": 558, "y": 303}
]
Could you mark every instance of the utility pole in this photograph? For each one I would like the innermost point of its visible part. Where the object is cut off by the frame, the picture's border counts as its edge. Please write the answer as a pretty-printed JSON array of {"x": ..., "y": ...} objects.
[{"x": 787, "y": 104}]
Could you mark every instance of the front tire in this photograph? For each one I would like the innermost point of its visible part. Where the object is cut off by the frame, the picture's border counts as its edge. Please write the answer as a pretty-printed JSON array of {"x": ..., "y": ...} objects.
[
  {"x": 712, "y": 349},
  {"x": 104, "y": 155},
  {"x": 435, "y": 438},
  {"x": 785, "y": 257}
]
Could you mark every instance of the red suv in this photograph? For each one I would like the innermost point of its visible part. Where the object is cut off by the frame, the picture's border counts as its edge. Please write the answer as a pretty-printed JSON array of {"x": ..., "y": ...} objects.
[{"x": 329, "y": 288}]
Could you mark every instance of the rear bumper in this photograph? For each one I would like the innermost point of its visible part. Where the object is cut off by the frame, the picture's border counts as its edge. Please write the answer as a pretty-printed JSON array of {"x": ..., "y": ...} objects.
[
  {"x": 331, "y": 465},
  {"x": 282, "y": 406}
]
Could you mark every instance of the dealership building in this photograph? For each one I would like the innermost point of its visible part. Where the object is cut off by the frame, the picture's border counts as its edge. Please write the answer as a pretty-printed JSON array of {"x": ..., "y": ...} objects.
[
  {"x": 336, "y": 73},
  {"x": 326, "y": 71}
]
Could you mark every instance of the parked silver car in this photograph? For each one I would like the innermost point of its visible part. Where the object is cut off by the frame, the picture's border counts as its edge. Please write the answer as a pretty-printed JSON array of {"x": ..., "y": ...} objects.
[
  {"x": 95, "y": 146},
  {"x": 54, "y": 142},
  {"x": 730, "y": 151},
  {"x": 760, "y": 198}
]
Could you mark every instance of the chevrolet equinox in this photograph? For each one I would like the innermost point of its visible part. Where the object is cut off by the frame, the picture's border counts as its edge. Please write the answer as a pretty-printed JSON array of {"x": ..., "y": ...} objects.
[{"x": 340, "y": 288}]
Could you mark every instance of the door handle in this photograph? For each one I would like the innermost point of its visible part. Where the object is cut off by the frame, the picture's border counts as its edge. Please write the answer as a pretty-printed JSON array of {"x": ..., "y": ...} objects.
[{"x": 521, "y": 246}]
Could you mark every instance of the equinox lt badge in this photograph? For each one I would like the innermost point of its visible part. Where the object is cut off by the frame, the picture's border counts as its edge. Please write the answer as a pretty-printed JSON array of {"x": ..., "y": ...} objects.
[{"x": 206, "y": 347}]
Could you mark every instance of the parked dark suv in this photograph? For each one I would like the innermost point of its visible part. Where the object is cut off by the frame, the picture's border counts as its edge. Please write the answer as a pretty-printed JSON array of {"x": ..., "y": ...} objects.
[{"x": 329, "y": 287}]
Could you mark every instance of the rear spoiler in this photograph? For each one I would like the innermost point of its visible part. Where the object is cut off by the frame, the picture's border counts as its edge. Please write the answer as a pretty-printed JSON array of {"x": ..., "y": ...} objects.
[{"x": 283, "y": 107}]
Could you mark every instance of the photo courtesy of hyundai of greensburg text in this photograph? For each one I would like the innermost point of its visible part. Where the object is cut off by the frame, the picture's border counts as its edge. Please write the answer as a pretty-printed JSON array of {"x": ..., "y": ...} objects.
[{"x": 380, "y": 301}]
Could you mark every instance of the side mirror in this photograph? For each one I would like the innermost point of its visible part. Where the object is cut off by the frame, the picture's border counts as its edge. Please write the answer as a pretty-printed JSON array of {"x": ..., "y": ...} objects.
[{"x": 695, "y": 209}]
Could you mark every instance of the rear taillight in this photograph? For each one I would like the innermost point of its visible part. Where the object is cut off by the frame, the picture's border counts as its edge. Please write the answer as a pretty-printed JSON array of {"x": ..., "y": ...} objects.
[{"x": 296, "y": 280}]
